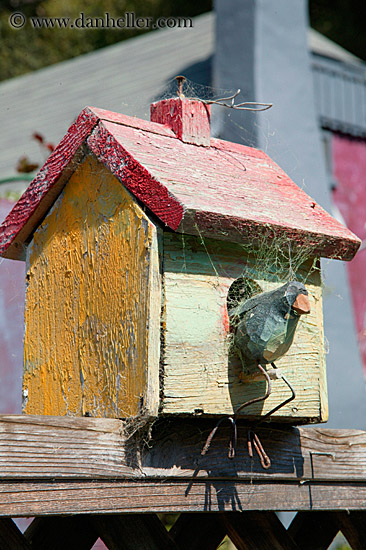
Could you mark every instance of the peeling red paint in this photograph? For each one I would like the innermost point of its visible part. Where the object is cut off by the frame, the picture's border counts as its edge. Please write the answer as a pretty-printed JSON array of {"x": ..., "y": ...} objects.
[
  {"x": 225, "y": 319},
  {"x": 134, "y": 176},
  {"x": 189, "y": 119},
  {"x": 226, "y": 191},
  {"x": 132, "y": 122}
]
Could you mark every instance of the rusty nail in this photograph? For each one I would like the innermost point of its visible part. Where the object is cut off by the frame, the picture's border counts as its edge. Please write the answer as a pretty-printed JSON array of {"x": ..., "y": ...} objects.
[{"x": 180, "y": 79}]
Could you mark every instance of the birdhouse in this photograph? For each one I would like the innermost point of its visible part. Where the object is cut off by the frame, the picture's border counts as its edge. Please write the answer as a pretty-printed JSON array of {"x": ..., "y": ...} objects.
[{"x": 142, "y": 241}]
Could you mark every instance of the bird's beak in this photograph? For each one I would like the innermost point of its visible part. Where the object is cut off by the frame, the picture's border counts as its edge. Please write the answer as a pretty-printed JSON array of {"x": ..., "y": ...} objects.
[{"x": 301, "y": 304}]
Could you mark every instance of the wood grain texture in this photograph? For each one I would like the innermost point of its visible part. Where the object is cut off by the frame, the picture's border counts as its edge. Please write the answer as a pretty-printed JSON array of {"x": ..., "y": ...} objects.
[
  {"x": 37, "y": 498},
  {"x": 189, "y": 119},
  {"x": 200, "y": 374},
  {"x": 46, "y": 448},
  {"x": 53, "y": 466},
  {"x": 93, "y": 303}
]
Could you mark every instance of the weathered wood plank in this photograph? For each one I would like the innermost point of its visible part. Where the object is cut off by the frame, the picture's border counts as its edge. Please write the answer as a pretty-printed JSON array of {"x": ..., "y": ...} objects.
[
  {"x": 73, "y": 533},
  {"x": 44, "y": 448},
  {"x": 198, "y": 531},
  {"x": 253, "y": 530},
  {"x": 302, "y": 454},
  {"x": 132, "y": 531},
  {"x": 296, "y": 453},
  {"x": 10, "y": 536},
  {"x": 200, "y": 373},
  {"x": 314, "y": 530},
  {"x": 92, "y": 342},
  {"x": 38, "y": 498},
  {"x": 53, "y": 466}
]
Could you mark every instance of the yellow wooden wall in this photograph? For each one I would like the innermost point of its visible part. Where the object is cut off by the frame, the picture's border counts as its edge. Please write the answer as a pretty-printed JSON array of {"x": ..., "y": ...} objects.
[
  {"x": 92, "y": 317},
  {"x": 199, "y": 374}
]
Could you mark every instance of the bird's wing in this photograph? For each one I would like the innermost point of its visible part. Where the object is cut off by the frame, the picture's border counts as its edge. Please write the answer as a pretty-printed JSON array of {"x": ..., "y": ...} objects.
[
  {"x": 264, "y": 299},
  {"x": 263, "y": 322}
]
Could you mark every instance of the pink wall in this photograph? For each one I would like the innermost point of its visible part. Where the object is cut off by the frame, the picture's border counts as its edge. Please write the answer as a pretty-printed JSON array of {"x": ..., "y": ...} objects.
[
  {"x": 349, "y": 170},
  {"x": 12, "y": 290}
]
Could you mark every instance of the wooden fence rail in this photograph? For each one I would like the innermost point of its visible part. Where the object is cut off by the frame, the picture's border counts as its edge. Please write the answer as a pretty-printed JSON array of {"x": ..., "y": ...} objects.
[
  {"x": 54, "y": 465},
  {"x": 112, "y": 484}
]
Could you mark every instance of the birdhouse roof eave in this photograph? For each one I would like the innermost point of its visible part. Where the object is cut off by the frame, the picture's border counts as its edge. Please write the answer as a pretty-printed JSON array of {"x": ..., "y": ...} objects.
[{"x": 226, "y": 191}]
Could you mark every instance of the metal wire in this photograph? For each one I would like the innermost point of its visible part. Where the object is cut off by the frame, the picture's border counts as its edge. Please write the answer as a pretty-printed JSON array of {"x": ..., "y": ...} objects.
[{"x": 244, "y": 106}]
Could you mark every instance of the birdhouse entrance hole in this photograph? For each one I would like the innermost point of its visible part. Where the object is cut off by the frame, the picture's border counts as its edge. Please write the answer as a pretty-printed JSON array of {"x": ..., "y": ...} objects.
[{"x": 241, "y": 289}]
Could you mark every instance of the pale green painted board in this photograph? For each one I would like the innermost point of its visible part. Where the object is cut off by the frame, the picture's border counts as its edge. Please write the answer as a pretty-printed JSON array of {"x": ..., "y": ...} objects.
[{"x": 199, "y": 373}]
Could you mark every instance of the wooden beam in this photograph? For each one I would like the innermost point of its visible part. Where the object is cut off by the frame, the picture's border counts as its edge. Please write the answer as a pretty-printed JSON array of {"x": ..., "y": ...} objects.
[
  {"x": 314, "y": 530},
  {"x": 42, "y": 447},
  {"x": 11, "y": 537},
  {"x": 73, "y": 533},
  {"x": 197, "y": 531},
  {"x": 253, "y": 530},
  {"x": 353, "y": 527},
  {"x": 143, "y": 531},
  {"x": 37, "y": 498}
]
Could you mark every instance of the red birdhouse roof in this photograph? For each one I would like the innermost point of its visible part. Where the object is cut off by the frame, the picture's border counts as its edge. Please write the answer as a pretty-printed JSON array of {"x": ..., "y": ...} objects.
[{"x": 191, "y": 184}]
